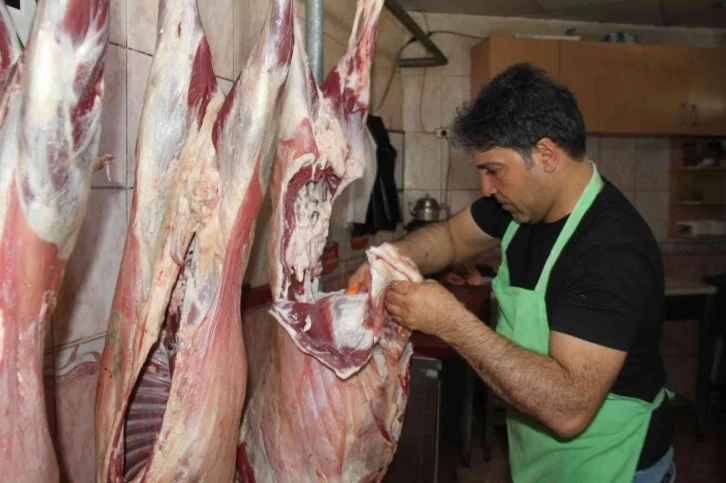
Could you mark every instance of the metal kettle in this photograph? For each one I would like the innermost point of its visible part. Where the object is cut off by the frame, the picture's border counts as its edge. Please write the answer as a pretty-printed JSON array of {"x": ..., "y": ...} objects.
[{"x": 427, "y": 209}]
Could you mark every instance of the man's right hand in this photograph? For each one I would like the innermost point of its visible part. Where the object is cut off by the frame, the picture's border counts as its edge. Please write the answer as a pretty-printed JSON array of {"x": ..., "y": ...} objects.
[{"x": 358, "y": 282}]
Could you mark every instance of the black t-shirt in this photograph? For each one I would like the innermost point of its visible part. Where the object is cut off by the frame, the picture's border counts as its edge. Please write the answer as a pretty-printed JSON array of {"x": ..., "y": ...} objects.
[{"x": 607, "y": 287}]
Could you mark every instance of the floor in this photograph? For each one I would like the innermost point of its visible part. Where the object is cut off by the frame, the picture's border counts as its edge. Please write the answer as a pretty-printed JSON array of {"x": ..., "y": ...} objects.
[{"x": 696, "y": 462}]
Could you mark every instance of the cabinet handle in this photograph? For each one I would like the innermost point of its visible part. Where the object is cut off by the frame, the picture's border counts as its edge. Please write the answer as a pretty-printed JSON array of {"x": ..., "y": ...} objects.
[
  {"x": 682, "y": 112},
  {"x": 694, "y": 109}
]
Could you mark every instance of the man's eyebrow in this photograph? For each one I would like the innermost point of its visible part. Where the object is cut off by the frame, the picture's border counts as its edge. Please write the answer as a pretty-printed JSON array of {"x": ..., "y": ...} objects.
[{"x": 488, "y": 165}]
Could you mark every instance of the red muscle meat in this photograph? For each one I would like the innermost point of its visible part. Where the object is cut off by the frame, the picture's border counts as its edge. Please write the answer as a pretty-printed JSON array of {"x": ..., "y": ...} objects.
[
  {"x": 173, "y": 375},
  {"x": 50, "y": 105},
  {"x": 328, "y": 382}
]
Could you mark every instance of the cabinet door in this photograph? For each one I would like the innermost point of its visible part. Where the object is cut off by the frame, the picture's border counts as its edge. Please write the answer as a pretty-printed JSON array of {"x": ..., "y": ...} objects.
[
  {"x": 595, "y": 73},
  {"x": 495, "y": 54},
  {"x": 707, "y": 92},
  {"x": 657, "y": 81},
  {"x": 506, "y": 52}
]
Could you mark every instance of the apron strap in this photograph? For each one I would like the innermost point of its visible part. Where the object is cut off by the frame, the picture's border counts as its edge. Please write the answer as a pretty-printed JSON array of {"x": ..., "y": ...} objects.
[
  {"x": 508, "y": 235},
  {"x": 583, "y": 204}
]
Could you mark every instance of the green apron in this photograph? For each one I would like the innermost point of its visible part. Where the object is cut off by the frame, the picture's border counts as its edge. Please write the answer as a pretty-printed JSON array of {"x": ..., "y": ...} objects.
[{"x": 609, "y": 449}]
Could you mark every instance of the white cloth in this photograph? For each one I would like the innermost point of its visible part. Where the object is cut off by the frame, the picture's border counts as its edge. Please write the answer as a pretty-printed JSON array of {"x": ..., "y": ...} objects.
[{"x": 360, "y": 189}]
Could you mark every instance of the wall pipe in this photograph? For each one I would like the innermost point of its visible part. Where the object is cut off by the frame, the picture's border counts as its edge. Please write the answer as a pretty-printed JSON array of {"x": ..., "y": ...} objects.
[
  {"x": 314, "y": 37},
  {"x": 437, "y": 59}
]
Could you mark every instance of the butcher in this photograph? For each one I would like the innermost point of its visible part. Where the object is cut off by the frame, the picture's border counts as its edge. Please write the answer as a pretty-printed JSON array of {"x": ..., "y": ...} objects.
[{"x": 575, "y": 354}]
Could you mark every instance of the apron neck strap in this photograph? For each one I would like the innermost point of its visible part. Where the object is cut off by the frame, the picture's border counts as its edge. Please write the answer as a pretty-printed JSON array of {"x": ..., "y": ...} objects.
[{"x": 583, "y": 204}]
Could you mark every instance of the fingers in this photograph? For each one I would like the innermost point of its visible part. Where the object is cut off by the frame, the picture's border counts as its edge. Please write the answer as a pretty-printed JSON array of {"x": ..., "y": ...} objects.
[{"x": 400, "y": 287}]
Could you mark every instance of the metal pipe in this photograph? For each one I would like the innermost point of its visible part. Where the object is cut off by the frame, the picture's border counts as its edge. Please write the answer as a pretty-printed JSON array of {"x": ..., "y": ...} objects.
[
  {"x": 314, "y": 37},
  {"x": 438, "y": 58}
]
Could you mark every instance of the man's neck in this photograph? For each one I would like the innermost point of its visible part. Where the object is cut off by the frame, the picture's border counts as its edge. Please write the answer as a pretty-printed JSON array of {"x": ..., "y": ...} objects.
[{"x": 573, "y": 183}]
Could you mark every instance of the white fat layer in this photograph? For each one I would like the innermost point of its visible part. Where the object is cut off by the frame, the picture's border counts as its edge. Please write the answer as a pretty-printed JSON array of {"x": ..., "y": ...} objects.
[
  {"x": 166, "y": 120},
  {"x": 248, "y": 135},
  {"x": 307, "y": 240},
  {"x": 55, "y": 212},
  {"x": 380, "y": 361},
  {"x": 347, "y": 316}
]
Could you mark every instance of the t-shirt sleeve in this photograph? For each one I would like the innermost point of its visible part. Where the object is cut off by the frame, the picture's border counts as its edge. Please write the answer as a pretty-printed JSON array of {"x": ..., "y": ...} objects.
[
  {"x": 605, "y": 298},
  {"x": 490, "y": 217}
]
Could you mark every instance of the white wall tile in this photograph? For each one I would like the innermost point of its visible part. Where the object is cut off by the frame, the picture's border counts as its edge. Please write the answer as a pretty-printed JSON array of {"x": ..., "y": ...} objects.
[
  {"x": 338, "y": 19},
  {"x": 422, "y": 165},
  {"x": 428, "y": 103},
  {"x": 117, "y": 20},
  {"x": 617, "y": 161},
  {"x": 84, "y": 299},
  {"x": 652, "y": 159},
  {"x": 113, "y": 119},
  {"x": 141, "y": 19},
  {"x": 139, "y": 66},
  {"x": 389, "y": 37},
  {"x": 455, "y": 91},
  {"x": 217, "y": 20},
  {"x": 391, "y": 110},
  {"x": 462, "y": 174},
  {"x": 397, "y": 141},
  {"x": 457, "y": 50}
]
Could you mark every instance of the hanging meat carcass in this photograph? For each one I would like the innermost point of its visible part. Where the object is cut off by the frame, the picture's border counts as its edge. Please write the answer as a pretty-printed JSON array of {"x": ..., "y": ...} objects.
[
  {"x": 173, "y": 375},
  {"x": 329, "y": 381},
  {"x": 50, "y": 105}
]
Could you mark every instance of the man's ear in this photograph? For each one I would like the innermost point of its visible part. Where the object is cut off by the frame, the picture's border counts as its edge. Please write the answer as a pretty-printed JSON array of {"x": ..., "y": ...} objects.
[{"x": 548, "y": 153}]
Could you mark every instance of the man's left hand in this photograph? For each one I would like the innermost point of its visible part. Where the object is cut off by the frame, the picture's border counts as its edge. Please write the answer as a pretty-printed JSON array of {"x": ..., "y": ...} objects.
[{"x": 427, "y": 307}]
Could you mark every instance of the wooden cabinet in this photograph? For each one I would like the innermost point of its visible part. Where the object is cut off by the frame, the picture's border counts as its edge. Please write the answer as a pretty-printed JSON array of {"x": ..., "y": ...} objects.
[
  {"x": 594, "y": 72},
  {"x": 707, "y": 92},
  {"x": 494, "y": 54},
  {"x": 623, "y": 88},
  {"x": 656, "y": 78}
]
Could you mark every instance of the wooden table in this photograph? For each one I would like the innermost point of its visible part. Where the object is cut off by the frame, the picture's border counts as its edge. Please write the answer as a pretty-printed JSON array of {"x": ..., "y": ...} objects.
[{"x": 685, "y": 288}]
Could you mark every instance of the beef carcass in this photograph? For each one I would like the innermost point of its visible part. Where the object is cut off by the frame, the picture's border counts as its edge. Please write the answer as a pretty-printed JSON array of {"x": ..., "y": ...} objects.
[
  {"x": 329, "y": 381},
  {"x": 50, "y": 105},
  {"x": 173, "y": 374},
  {"x": 321, "y": 150}
]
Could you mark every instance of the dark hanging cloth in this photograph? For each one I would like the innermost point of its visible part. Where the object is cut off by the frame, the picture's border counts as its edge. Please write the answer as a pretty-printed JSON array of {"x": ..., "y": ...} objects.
[{"x": 384, "y": 210}]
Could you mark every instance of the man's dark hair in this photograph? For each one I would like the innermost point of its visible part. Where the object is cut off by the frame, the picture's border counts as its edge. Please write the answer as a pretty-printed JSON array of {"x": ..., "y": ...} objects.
[{"x": 516, "y": 109}]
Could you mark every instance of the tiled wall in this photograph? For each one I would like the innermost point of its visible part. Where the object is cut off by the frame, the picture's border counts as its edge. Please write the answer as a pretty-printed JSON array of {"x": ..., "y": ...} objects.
[
  {"x": 638, "y": 166},
  {"x": 75, "y": 343}
]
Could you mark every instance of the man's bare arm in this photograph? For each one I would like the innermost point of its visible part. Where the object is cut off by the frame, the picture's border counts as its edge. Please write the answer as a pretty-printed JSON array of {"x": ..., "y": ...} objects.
[
  {"x": 563, "y": 391},
  {"x": 434, "y": 247}
]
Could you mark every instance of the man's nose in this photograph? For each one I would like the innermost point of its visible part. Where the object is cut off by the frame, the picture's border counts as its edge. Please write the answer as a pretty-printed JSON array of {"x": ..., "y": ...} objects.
[{"x": 487, "y": 185}]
